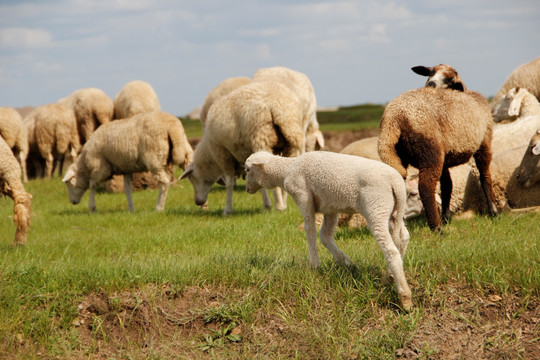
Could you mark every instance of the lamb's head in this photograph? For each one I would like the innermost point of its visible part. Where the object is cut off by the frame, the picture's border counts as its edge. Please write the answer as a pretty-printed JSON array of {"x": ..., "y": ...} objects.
[
  {"x": 202, "y": 180},
  {"x": 509, "y": 106},
  {"x": 441, "y": 76},
  {"x": 254, "y": 166},
  {"x": 528, "y": 172},
  {"x": 76, "y": 185}
]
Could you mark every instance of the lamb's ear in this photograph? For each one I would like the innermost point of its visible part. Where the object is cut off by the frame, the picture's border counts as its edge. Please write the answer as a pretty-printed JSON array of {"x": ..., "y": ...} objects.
[
  {"x": 186, "y": 173},
  {"x": 515, "y": 106},
  {"x": 259, "y": 161},
  {"x": 320, "y": 139},
  {"x": 536, "y": 149},
  {"x": 70, "y": 174},
  {"x": 422, "y": 70}
]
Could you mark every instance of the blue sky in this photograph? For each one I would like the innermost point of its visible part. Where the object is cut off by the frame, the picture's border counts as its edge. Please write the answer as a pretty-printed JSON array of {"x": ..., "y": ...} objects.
[{"x": 353, "y": 51}]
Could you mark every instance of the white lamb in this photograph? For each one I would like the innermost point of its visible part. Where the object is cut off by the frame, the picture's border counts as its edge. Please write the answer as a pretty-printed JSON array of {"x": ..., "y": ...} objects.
[
  {"x": 134, "y": 98},
  {"x": 13, "y": 131},
  {"x": 92, "y": 108},
  {"x": 331, "y": 184},
  {"x": 262, "y": 115},
  {"x": 146, "y": 142}
]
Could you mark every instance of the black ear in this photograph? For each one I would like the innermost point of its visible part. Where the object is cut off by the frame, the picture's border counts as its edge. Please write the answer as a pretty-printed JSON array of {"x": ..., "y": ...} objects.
[
  {"x": 458, "y": 86},
  {"x": 422, "y": 70}
]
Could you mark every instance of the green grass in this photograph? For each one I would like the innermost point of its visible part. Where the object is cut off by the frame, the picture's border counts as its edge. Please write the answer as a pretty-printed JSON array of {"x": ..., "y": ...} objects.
[{"x": 259, "y": 259}]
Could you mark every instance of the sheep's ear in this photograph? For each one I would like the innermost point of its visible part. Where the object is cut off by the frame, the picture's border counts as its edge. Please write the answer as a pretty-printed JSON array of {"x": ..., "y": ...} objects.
[
  {"x": 186, "y": 173},
  {"x": 221, "y": 181},
  {"x": 458, "y": 86},
  {"x": 70, "y": 174},
  {"x": 536, "y": 149},
  {"x": 422, "y": 70},
  {"x": 515, "y": 104},
  {"x": 320, "y": 139}
]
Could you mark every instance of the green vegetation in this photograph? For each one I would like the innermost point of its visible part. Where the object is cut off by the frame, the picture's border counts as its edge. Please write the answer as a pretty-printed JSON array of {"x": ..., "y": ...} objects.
[{"x": 187, "y": 282}]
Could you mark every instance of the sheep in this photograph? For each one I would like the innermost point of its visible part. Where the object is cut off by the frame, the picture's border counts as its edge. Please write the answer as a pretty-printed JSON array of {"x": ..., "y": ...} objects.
[
  {"x": 262, "y": 115},
  {"x": 367, "y": 148},
  {"x": 11, "y": 185},
  {"x": 528, "y": 172},
  {"x": 330, "y": 183},
  {"x": 509, "y": 194},
  {"x": 146, "y": 142},
  {"x": 134, "y": 98},
  {"x": 441, "y": 76},
  {"x": 433, "y": 130},
  {"x": 526, "y": 75},
  {"x": 223, "y": 88},
  {"x": 13, "y": 131},
  {"x": 92, "y": 108},
  {"x": 301, "y": 85},
  {"x": 52, "y": 134}
]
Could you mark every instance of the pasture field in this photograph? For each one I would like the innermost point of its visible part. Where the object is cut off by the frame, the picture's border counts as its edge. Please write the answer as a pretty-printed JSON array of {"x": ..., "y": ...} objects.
[{"x": 189, "y": 284}]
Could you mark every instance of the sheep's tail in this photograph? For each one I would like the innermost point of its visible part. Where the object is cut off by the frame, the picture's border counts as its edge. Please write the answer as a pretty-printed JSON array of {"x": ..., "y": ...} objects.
[
  {"x": 388, "y": 138},
  {"x": 180, "y": 150},
  {"x": 291, "y": 130},
  {"x": 22, "y": 211}
]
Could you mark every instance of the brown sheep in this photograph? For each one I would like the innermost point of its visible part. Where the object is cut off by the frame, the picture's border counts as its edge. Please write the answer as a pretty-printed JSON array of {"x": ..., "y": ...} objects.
[
  {"x": 441, "y": 76},
  {"x": 11, "y": 185},
  {"x": 433, "y": 130}
]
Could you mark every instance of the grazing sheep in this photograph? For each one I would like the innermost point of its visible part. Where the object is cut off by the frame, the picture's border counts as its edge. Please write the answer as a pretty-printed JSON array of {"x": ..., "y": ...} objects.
[
  {"x": 301, "y": 85},
  {"x": 330, "y": 183},
  {"x": 92, "y": 108},
  {"x": 223, "y": 88},
  {"x": 134, "y": 98},
  {"x": 509, "y": 194},
  {"x": 526, "y": 75},
  {"x": 52, "y": 134},
  {"x": 433, "y": 130},
  {"x": 13, "y": 131},
  {"x": 367, "y": 148},
  {"x": 146, "y": 142},
  {"x": 262, "y": 115},
  {"x": 11, "y": 185},
  {"x": 528, "y": 172},
  {"x": 441, "y": 76}
]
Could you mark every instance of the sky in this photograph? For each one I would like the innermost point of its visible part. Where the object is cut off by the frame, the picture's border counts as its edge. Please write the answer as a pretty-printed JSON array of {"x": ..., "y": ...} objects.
[{"x": 353, "y": 51}]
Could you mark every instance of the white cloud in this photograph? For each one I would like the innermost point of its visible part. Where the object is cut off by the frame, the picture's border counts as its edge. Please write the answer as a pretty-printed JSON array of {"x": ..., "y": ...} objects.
[{"x": 20, "y": 37}]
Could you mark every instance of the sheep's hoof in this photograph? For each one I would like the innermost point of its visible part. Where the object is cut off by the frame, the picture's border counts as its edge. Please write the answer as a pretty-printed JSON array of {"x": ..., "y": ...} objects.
[
  {"x": 406, "y": 302},
  {"x": 17, "y": 244}
]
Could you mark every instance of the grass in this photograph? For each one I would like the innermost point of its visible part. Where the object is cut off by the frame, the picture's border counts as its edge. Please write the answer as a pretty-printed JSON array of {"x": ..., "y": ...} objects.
[{"x": 259, "y": 259}]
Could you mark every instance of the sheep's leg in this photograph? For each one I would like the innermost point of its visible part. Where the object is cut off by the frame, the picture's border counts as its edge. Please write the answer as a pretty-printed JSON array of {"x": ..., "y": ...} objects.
[
  {"x": 128, "y": 179},
  {"x": 92, "y": 196},
  {"x": 280, "y": 198},
  {"x": 49, "y": 165},
  {"x": 393, "y": 257},
  {"x": 327, "y": 239},
  {"x": 163, "y": 181},
  {"x": 483, "y": 159},
  {"x": 427, "y": 184},
  {"x": 267, "y": 203},
  {"x": 446, "y": 194},
  {"x": 229, "y": 184}
]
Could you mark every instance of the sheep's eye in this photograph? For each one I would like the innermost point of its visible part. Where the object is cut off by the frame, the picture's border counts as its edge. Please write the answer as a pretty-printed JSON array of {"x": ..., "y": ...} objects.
[{"x": 246, "y": 169}]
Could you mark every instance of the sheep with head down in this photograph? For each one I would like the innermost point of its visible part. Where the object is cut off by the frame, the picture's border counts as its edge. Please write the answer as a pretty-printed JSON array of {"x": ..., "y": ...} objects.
[{"x": 14, "y": 133}]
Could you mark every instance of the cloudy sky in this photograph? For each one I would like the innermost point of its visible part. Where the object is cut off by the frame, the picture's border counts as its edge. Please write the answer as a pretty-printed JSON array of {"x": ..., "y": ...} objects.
[{"x": 353, "y": 51}]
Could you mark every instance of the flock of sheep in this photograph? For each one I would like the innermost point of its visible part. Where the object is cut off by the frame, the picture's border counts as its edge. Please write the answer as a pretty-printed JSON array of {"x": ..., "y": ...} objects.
[{"x": 265, "y": 129}]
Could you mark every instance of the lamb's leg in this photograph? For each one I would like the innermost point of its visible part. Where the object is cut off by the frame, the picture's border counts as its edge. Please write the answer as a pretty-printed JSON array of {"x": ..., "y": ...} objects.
[
  {"x": 446, "y": 194},
  {"x": 163, "y": 182},
  {"x": 400, "y": 234},
  {"x": 49, "y": 165},
  {"x": 327, "y": 239},
  {"x": 379, "y": 228},
  {"x": 229, "y": 184},
  {"x": 267, "y": 203},
  {"x": 128, "y": 179},
  {"x": 427, "y": 183},
  {"x": 308, "y": 213},
  {"x": 483, "y": 159}
]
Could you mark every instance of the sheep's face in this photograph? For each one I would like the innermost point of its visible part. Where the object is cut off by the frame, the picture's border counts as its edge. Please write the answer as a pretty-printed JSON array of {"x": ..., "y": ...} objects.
[
  {"x": 509, "y": 105},
  {"x": 414, "y": 203},
  {"x": 441, "y": 76},
  {"x": 528, "y": 172},
  {"x": 75, "y": 189},
  {"x": 202, "y": 182}
]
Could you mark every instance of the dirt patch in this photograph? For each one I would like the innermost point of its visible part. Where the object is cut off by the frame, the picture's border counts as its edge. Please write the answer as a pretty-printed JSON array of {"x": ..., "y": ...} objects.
[{"x": 191, "y": 322}]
